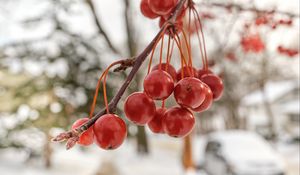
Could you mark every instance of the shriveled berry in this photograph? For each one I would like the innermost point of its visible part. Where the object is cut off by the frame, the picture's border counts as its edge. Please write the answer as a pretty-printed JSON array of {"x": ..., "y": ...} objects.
[
  {"x": 87, "y": 137},
  {"x": 139, "y": 108},
  {"x": 110, "y": 131},
  {"x": 158, "y": 85},
  {"x": 178, "y": 122}
]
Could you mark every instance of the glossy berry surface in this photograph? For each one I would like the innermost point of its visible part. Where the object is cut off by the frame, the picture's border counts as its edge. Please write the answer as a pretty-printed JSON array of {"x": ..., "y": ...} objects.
[
  {"x": 155, "y": 124},
  {"x": 168, "y": 68},
  {"x": 207, "y": 101},
  {"x": 146, "y": 11},
  {"x": 202, "y": 72},
  {"x": 215, "y": 83},
  {"x": 189, "y": 92},
  {"x": 178, "y": 122},
  {"x": 110, "y": 131},
  {"x": 139, "y": 108},
  {"x": 87, "y": 137},
  {"x": 187, "y": 72},
  {"x": 158, "y": 85},
  {"x": 162, "y": 7}
]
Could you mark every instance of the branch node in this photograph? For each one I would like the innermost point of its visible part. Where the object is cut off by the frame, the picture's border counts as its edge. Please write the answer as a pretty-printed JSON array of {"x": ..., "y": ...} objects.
[{"x": 125, "y": 64}]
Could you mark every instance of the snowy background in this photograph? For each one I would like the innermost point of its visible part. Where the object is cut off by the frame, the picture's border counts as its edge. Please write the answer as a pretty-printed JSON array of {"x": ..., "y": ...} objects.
[{"x": 51, "y": 54}]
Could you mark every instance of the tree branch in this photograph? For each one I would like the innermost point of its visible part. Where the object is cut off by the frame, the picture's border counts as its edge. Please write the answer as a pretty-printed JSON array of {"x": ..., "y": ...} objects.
[
  {"x": 100, "y": 28},
  {"x": 241, "y": 8},
  {"x": 73, "y": 135}
]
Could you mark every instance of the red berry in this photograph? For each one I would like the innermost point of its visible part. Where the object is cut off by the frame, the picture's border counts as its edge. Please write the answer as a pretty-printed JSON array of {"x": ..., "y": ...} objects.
[
  {"x": 139, "y": 108},
  {"x": 146, "y": 11},
  {"x": 207, "y": 101},
  {"x": 202, "y": 72},
  {"x": 215, "y": 83},
  {"x": 168, "y": 68},
  {"x": 158, "y": 85},
  {"x": 178, "y": 122},
  {"x": 187, "y": 72},
  {"x": 162, "y": 7},
  {"x": 155, "y": 124},
  {"x": 110, "y": 131},
  {"x": 87, "y": 137},
  {"x": 189, "y": 92}
]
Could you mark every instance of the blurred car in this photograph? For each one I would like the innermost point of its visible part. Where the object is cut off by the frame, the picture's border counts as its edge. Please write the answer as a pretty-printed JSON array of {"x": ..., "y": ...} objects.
[{"x": 241, "y": 153}]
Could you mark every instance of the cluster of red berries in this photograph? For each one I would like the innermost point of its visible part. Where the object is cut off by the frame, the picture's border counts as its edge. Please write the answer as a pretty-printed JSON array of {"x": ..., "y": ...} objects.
[
  {"x": 193, "y": 91},
  {"x": 161, "y": 8},
  {"x": 252, "y": 43},
  {"x": 274, "y": 23},
  {"x": 287, "y": 51}
]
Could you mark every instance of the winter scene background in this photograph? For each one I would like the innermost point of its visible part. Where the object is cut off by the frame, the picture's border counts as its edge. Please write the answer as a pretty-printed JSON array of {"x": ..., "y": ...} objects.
[{"x": 53, "y": 51}]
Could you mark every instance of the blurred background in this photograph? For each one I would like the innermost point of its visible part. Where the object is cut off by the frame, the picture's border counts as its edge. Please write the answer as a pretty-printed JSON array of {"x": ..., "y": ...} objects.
[{"x": 53, "y": 51}]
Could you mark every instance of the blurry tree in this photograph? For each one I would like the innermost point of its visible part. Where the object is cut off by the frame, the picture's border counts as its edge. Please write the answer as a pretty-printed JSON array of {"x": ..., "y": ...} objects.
[
  {"x": 58, "y": 71},
  {"x": 242, "y": 53}
]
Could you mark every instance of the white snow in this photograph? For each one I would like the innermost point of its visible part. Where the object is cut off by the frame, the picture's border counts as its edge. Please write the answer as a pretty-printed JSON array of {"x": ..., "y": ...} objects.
[
  {"x": 274, "y": 90},
  {"x": 291, "y": 107}
]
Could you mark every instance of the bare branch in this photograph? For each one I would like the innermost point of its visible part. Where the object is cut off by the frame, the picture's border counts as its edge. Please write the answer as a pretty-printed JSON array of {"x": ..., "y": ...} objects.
[
  {"x": 241, "y": 8},
  {"x": 100, "y": 28}
]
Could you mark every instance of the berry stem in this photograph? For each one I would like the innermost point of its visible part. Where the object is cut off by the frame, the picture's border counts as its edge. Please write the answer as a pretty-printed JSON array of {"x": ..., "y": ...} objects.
[
  {"x": 98, "y": 86},
  {"x": 202, "y": 34},
  {"x": 199, "y": 41},
  {"x": 168, "y": 52},
  {"x": 161, "y": 51},
  {"x": 154, "y": 47},
  {"x": 184, "y": 63}
]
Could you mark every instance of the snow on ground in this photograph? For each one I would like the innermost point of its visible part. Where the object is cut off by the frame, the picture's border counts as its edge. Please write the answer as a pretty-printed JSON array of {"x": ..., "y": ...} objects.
[
  {"x": 164, "y": 159},
  {"x": 291, "y": 155}
]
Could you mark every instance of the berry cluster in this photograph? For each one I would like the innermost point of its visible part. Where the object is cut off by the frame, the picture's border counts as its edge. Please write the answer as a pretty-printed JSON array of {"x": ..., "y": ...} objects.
[
  {"x": 252, "y": 43},
  {"x": 287, "y": 51},
  {"x": 161, "y": 9},
  {"x": 194, "y": 89}
]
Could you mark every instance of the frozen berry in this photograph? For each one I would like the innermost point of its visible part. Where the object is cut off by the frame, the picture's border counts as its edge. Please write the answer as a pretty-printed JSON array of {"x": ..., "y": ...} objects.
[
  {"x": 178, "y": 122},
  {"x": 110, "y": 131},
  {"x": 158, "y": 85},
  {"x": 139, "y": 108}
]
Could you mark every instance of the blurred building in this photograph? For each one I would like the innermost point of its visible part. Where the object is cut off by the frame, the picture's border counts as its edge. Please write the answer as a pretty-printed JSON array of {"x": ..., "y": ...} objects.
[{"x": 283, "y": 98}]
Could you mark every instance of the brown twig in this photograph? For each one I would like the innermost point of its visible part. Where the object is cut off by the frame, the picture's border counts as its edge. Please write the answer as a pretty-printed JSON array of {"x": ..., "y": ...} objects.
[
  {"x": 125, "y": 64},
  {"x": 100, "y": 28},
  {"x": 73, "y": 135}
]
